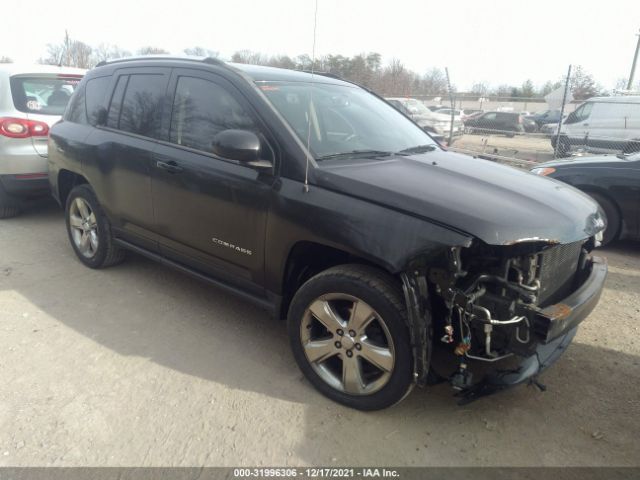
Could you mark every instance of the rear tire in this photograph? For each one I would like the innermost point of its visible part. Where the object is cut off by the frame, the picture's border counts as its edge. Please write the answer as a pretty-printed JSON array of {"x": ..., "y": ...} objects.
[
  {"x": 613, "y": 219},
  {"x": 9, "y": 206},
  {"x": 328, "y": 338},
  {"x": 89, "y": 230}
]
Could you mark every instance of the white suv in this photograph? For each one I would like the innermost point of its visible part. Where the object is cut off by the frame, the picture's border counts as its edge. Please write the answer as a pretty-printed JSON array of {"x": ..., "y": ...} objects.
[{"x": 32, "y": 98}]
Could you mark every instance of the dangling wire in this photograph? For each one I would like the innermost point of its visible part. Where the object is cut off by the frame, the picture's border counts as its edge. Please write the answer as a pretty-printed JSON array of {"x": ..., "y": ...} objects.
[{"x": 313, "y": 64}]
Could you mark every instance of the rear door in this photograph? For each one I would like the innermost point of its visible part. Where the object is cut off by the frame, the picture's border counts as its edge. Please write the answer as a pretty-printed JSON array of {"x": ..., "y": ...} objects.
[
  {"x": 211, "y": 212},
  {"x": 120, "y": 168}
]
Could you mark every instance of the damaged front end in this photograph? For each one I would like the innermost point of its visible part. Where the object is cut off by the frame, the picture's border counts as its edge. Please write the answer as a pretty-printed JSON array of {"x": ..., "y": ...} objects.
[{"x": 499, "y": 314}]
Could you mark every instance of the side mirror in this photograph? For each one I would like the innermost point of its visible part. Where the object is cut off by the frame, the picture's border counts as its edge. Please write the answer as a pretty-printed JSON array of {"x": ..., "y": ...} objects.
[{"x": 241, "y": 145}]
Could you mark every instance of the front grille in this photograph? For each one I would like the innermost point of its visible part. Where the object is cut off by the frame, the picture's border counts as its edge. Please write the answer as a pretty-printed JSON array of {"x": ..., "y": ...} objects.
[{"x": 558, "y": 267}]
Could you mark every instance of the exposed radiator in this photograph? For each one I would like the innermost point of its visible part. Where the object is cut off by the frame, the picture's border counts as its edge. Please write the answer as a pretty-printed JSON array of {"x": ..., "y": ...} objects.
[{"x": 558, "y": 269}]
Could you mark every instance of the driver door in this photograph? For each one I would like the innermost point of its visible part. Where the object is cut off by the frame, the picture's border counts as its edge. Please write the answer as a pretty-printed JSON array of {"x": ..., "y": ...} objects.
[{"x": 210, "y": 212}]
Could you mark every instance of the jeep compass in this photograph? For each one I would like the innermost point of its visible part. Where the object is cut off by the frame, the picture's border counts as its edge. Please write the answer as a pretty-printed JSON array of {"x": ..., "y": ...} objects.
[{"x": 394, "y": 262}]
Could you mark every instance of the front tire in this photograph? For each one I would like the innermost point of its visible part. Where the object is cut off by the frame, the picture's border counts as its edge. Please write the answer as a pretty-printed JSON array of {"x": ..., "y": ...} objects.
[
  {"x": 89, "y": 230},
  {"x": 613, "y": 220},
  {"x": 348, "y": 332}
]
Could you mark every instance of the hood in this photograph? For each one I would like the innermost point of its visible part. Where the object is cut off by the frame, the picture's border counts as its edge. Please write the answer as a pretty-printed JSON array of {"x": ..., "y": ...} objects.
[{"x": 500, "y": 205}]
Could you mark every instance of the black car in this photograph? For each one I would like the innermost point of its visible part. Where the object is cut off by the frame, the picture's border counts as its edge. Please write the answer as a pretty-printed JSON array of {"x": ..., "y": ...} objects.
[
  {"x": 508, "y": 123},
  {"x": 613, "y": 181},
  {"x": 546, "y": 117},
  {"x": 394, "y": 261}
]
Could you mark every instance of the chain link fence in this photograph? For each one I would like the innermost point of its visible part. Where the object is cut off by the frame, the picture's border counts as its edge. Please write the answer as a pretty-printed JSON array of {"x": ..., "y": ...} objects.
[{"x": 527, "y": 130}]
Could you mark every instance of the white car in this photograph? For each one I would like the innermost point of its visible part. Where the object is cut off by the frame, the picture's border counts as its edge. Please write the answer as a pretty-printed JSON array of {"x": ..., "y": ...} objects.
[
  {"x": 32, "y": 99},
  {"x": 430, "y": 121}
]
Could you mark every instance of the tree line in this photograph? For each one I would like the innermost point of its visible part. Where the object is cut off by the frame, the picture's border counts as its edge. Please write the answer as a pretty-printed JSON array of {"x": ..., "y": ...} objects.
[{"x": 367, "y": 69}]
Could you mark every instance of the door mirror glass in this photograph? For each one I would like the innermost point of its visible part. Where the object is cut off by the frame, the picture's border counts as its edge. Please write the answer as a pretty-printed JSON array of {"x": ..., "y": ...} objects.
[{"x": 241, "y": 145}]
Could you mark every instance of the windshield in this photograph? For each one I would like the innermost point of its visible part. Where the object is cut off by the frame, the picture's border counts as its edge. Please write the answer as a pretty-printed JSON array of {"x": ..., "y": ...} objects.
[
  {"x": 343, "y": 119},
  {"x": 42, "y": 95}
]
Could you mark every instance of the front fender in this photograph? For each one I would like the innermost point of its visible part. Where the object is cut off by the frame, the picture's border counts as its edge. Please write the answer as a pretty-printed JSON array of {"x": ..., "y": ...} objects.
[{"x": 386, "y": 237}]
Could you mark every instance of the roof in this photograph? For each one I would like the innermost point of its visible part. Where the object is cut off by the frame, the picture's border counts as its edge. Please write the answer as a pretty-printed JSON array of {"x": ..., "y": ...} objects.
[
  {"x": 21, "y": 68},
  {"x": 257, "y": 73},
  {"x": 620, "y": 99},
  {"x": 260, "y": 73}
]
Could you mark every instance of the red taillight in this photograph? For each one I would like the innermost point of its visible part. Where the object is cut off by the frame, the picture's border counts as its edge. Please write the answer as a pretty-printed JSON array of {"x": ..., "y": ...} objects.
[{"x": 22, "y": 128}]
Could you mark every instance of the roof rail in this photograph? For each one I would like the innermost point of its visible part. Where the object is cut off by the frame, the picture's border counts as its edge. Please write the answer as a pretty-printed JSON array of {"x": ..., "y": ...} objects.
[{"x": 208, "y": 60}]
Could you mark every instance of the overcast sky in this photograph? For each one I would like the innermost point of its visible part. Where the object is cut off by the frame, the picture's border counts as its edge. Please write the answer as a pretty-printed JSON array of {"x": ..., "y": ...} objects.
[{"x": 503, "y": 41}]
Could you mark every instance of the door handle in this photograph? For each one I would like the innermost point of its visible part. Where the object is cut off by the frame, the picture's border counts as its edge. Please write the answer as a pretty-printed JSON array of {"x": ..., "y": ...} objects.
[{"x": 171, "y": 167}]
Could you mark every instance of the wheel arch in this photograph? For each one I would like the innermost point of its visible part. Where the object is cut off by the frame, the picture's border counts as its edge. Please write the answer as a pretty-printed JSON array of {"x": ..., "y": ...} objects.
[
  {"x": 588, "y": 189},
  {"x": 67, "y": 180},
  {"x": 308, "y": 258}
]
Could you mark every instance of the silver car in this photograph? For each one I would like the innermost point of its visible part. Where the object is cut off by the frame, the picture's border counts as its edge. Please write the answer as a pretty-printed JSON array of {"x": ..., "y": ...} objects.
[{"x": 32, "y": 98}]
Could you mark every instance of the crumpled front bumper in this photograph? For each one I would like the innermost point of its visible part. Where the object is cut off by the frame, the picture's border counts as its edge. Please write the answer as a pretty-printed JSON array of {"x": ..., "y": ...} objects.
[{"x": 555, "y": 326}]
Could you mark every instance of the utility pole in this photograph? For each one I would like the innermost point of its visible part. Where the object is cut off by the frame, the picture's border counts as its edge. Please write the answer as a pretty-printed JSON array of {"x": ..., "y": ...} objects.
[
  {"x": 557, "y": 149},
  {"x": 453, "y": 105},
  {"x": 633, "y": 65}
]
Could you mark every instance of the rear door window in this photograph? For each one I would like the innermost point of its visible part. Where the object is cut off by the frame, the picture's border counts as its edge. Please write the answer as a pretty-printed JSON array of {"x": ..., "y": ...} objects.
[
  {"x": 142, "y": 105},
  {"x": 96, "y": 92},
  {"x": 43, "y": 95}
]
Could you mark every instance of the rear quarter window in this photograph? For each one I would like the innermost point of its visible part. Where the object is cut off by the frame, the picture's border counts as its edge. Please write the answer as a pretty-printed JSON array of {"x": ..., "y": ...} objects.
[{"x": 96, "y": 92}]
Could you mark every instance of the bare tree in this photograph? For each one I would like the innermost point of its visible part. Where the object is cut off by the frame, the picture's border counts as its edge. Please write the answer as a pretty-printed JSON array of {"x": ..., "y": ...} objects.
[
  {"x": 70, "y": 53},
  {"x": 582, "y": 84},
  {"x": 201, "y": 52},
  {"x": 480, "y": 89},
  {"x": 4, "y": 59},
  {"x": 434, "y": 82},
  {"x": 105, "y": 51},
  {"x": 250, "y": 57},
  {"x": 149, "y": 50}
]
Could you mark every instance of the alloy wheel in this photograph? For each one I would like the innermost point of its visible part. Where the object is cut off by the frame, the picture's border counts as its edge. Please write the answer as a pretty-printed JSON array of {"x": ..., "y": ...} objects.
[
  {"x": 348, "y": 344},
  {"x": 83, "y": 227}
]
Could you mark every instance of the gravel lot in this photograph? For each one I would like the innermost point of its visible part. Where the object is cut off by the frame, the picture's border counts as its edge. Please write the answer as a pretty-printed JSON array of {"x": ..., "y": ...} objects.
[{"x": 139, "y": 365}]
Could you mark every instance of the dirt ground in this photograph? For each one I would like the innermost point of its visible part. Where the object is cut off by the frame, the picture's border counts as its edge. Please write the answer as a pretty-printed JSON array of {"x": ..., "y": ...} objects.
[{"x": 138, "y": 365}]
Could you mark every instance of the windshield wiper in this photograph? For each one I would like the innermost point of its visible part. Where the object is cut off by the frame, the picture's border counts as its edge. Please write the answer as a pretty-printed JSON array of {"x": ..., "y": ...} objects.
[
  {"x": 356, "y": 153},
  {"x": 419, "y": 149}
]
